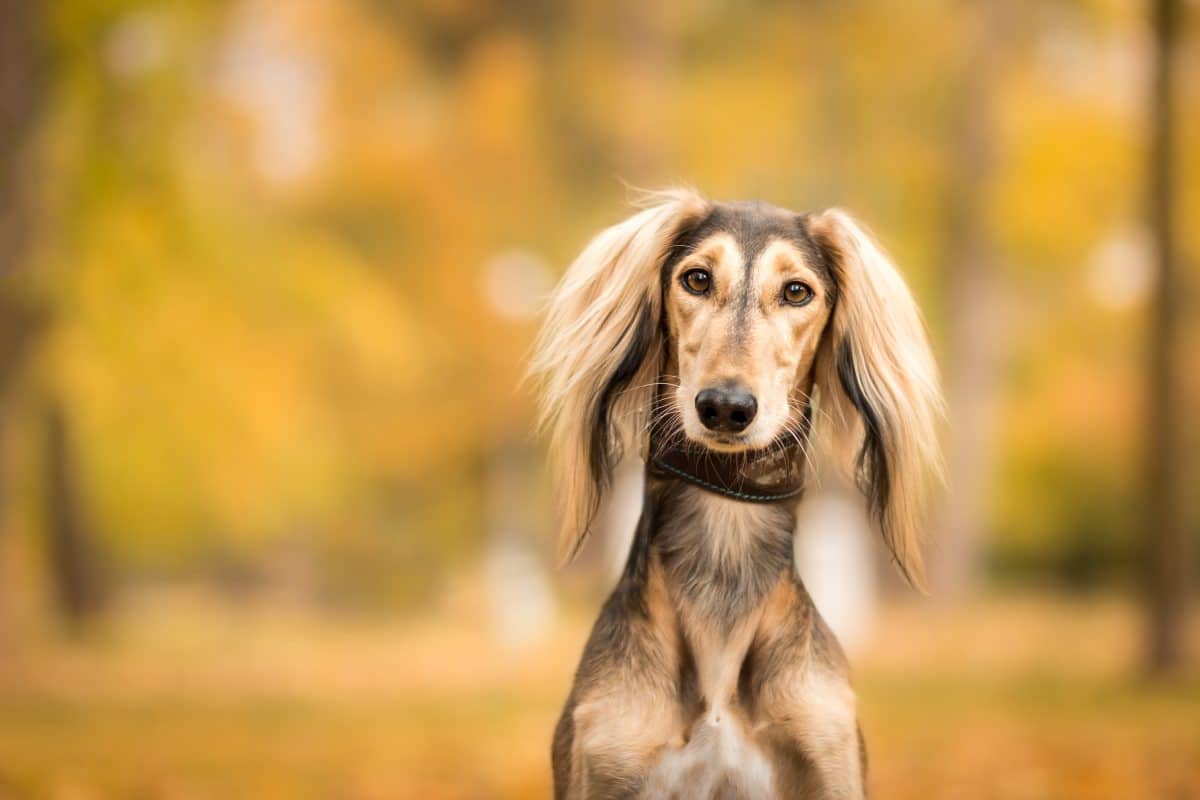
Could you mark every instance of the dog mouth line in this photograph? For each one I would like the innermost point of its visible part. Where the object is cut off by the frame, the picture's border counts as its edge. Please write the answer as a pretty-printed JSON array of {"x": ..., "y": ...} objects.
[
  {"x": 722, "y": 442},
  {"x": 733, "y": 441}
]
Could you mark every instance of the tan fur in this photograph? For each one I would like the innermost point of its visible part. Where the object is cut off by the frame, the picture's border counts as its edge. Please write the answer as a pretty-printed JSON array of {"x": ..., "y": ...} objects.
[
  {"x": 635, "y": 726},
  {"x": 591, "y": 321},
  {"x": 627, "y": 721},
  {"x": 876, "y": 313},
  {"x": 773, "y": 352},
  {"x": 710, "y": 672}
]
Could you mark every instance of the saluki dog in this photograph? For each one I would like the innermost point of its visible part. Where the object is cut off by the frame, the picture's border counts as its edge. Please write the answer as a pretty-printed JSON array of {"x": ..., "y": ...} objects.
[{"x": 719, "y": 338}]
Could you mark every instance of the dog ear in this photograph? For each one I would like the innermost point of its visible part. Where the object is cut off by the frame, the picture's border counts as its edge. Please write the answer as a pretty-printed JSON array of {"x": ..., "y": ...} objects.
[
  {"x": 600, "y": 352},
  {"x": 879, "y": 383}
]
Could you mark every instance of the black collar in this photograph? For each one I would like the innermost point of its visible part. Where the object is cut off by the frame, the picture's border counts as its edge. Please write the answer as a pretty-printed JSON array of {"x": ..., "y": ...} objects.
[{"x": 771, "y": 475}]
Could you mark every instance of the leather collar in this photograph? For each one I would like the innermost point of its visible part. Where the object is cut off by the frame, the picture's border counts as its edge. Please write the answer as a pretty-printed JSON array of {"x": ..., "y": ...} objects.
[{"x": 771, "y": 475}]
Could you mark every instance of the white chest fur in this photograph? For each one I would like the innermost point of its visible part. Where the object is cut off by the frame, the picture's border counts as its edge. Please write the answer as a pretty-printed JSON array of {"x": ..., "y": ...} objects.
[
  {"x": 718, "y": 761},
  {"x": 718, "y": 757}
]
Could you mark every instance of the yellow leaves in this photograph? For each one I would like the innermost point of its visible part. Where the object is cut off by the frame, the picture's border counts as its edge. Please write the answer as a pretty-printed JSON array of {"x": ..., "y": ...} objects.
[
  {"x": 244, "y": 354},
  {"x": 1008, "y": 698},
  {"x": 499, "y": 82},
  {"x": 1057, "y": 197},
  {"x": 233, "y": 391}
]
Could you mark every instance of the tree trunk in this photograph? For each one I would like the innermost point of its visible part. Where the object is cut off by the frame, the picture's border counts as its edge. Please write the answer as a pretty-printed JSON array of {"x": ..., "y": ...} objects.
[
  {"x": 974, "y": 316},
  {"x": 20, "y": 90},
  {"x": 1167, "y": 555},
  {"x": 20, "y": 95},
  {"x": 78, "y": 576}
]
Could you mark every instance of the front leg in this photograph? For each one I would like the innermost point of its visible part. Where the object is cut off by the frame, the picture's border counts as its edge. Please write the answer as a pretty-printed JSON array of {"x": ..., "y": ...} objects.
[
  {"x": 579, "y": 772},
  {"x": 816, "y": 725},
  {"x": 604, "y": 746},
  {"x": 828, "y": 736},
  {"x": 624, "y": 706},
  {"x": 804, "y": 704}
]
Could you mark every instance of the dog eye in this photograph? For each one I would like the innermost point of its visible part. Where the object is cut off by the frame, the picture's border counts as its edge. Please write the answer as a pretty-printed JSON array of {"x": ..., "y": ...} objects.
[
  {"x": 796, "y": 293},
  {"x": 697, "y": 281}
]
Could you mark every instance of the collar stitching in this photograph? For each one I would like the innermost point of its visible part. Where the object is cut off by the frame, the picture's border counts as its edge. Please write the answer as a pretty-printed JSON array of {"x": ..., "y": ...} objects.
[{"x": 712, "y": 487}]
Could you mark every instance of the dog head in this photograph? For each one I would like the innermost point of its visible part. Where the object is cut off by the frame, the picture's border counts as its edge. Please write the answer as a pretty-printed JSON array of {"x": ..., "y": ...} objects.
[{"x": 720, "y": 322}]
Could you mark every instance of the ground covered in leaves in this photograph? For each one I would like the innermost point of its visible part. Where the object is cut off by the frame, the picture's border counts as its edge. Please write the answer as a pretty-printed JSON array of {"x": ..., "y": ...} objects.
[{"x": 1028, "y": 697}]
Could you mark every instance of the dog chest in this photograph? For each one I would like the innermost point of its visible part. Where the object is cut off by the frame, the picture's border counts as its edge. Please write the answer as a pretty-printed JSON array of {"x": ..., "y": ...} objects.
[{"x": 719, "y": 760}]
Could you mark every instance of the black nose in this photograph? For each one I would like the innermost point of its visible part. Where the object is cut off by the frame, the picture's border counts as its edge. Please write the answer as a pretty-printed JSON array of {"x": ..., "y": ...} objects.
[{"x": 728, "y": 410}]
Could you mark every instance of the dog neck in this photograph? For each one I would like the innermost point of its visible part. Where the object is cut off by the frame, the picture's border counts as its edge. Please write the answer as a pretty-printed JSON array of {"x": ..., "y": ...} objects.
[{"x": 722, "y": 557}]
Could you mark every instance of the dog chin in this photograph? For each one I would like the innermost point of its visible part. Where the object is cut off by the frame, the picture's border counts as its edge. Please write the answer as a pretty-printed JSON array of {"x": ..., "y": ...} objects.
[{"x": 724, "y": 442}]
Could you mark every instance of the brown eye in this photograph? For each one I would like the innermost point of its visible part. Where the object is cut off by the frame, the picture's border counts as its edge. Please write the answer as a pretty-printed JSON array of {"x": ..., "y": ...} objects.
[
  {"x": 796, "y": 293},
  {"x": 697, "y": 281}
]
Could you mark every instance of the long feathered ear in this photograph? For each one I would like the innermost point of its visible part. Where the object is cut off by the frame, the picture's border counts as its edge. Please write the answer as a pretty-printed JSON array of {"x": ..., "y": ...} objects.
[
  {"x": 599, "y": 353},
  {"x": 879, "y": 384}
]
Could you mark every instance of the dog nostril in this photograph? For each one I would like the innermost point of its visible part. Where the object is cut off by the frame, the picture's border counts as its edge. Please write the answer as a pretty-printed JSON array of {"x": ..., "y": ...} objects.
[
  {"x": 729, "y": 410},
  {"x": 742, "y": 408}
]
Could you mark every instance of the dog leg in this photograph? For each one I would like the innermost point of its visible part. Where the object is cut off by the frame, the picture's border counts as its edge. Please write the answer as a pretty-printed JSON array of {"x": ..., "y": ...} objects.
[
  {"x": 614, "y": 738},
  {"x": 825, "y": 731}
]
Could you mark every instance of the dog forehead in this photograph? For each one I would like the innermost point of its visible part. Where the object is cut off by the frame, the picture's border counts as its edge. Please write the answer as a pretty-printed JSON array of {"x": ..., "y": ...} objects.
[{"x": 753, "y": 225}]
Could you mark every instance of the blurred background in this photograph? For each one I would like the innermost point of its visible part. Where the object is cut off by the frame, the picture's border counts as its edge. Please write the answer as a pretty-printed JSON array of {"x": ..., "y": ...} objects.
[{"x": 273, "y": 522}]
